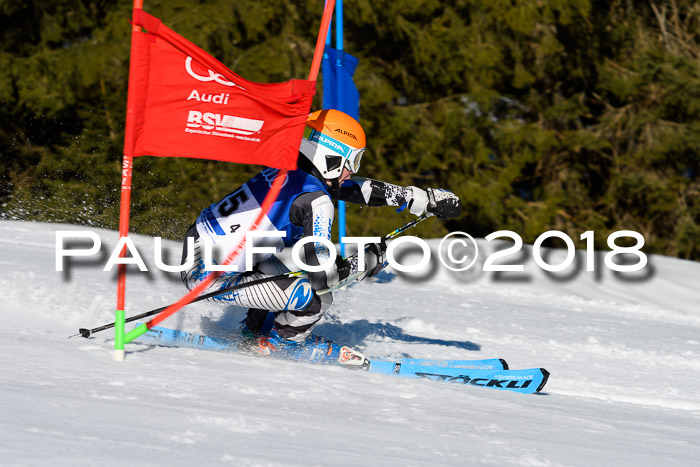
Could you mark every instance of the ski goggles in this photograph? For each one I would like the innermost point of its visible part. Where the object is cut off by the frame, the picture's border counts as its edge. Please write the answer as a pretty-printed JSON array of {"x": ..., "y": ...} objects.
[
  {"x": 353, "y": 160},
  {"x": 352, "y": 156}
]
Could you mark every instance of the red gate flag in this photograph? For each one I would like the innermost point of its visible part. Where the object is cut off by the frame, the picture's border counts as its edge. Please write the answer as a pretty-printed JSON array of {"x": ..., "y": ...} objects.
[{"x": 186, "y": 103}]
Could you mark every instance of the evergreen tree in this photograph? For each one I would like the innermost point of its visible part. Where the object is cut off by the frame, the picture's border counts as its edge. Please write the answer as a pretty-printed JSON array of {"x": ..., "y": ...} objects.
[{"x": 558, "y": 114}]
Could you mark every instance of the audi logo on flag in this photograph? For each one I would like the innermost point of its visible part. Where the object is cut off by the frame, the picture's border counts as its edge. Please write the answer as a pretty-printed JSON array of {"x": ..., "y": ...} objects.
[{"x": 213, "y": 76}]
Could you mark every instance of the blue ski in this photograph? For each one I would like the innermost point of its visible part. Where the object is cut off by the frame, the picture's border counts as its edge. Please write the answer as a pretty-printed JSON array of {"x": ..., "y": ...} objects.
[
  {"x": 485, "y": 364},
  {"x": 173, "y": 337},
  {"x": 177, "y": 338},
  {"x": 490, "y": 373},
  {"x": 525, "y": 381}
]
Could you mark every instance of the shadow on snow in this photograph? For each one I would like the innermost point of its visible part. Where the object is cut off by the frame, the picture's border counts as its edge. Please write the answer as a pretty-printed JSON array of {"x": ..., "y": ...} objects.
[{"x": 355, "y": 333}]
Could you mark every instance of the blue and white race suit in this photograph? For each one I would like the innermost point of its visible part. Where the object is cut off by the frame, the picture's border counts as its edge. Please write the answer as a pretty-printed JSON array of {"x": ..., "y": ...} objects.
[{"x": 303, "y": 208}]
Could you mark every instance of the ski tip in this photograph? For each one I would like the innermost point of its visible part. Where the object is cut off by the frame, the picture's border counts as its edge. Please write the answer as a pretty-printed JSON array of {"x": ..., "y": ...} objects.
[
  {"x": 545, "y": 378},
  {"x": 504, "y": 363}
]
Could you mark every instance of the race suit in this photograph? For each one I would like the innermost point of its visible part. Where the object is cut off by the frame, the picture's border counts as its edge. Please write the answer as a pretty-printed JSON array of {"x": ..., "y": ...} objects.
[{"x": 303, "y": 208}]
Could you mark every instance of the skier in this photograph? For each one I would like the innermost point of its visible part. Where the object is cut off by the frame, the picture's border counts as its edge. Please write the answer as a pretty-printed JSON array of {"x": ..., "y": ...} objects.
[{"x": 330, "y": 153}]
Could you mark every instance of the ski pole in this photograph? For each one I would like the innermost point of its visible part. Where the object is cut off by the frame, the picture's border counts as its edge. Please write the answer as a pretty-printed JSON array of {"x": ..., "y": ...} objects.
[
  {"x": 84, "y": 332},
  {"x": 403, "y": 228}
]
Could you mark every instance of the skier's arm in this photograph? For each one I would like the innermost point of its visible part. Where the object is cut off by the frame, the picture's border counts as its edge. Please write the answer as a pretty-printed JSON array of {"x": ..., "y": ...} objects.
[
  {"x": 376, "y": 193},
  {"x": 314, "y": 213}
]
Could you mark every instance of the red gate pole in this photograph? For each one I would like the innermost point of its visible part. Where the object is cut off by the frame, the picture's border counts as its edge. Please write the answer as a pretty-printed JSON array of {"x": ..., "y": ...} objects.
[
  {"x": 127, "y": 171},
  {"x": 269, "y": 199},
  {"x": 321, "y": 40}
]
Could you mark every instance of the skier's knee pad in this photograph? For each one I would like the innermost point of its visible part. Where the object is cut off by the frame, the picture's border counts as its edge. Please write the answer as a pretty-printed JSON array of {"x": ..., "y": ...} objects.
[{"x": 299, "y": 295}]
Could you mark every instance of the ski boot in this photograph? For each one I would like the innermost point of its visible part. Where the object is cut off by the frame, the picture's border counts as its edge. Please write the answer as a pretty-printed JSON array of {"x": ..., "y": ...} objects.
[{"x": 315, "y": 349}]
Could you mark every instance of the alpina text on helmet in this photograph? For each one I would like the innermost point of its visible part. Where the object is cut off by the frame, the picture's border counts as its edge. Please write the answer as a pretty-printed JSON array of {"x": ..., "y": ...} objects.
[{"x": 346, "y": 133}]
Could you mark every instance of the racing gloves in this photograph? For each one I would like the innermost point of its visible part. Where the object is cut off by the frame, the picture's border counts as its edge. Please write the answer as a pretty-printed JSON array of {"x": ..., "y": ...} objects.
[{"x": 442, "y": 203}]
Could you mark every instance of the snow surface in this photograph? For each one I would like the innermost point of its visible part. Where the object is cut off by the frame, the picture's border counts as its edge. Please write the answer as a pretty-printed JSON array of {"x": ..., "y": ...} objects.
[{"x": 623, "y": 351}]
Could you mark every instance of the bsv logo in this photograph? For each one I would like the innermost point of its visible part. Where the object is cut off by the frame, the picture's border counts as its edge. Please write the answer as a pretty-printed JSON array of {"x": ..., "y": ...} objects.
[
  {"x": 212, "y": 75},
  {"x": 224, "y": 123}
]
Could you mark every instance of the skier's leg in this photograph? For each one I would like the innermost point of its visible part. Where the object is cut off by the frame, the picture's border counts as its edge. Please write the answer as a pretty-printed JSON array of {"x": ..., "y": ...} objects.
[
  {"x": 287, "y": 294},
  {"x": 281, "y": 294},
  {"x": 255, "y": 320},
  {"x": 297, "y": 324},
  {"x": 291, "y": 337},
  {"x": 298, "y": 309}
]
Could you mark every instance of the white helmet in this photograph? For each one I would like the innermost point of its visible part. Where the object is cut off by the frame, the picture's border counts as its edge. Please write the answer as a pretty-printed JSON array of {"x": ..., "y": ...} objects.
[{"x": 333, "y": 140}]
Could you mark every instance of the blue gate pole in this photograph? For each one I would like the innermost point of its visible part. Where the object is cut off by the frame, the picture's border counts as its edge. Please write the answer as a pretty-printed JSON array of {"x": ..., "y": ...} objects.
[{"x": 339, "y": 46}]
